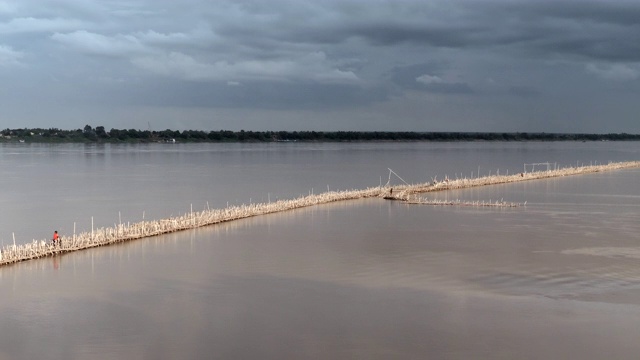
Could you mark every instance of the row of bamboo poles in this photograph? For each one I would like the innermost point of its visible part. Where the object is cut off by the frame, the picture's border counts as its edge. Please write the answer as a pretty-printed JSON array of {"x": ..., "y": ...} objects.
[
  {"x": 126, "y": 232},
  {"x": 457, "y": 202},
  {"x": 449, "y": 184}
]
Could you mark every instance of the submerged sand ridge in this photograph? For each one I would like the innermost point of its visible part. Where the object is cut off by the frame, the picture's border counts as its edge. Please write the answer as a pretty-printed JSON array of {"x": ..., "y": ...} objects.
[{"x": 126, "y": 232}]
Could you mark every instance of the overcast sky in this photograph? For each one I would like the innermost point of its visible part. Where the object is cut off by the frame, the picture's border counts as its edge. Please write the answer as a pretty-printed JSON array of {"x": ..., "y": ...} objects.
[{"x": 402, "y": 65}]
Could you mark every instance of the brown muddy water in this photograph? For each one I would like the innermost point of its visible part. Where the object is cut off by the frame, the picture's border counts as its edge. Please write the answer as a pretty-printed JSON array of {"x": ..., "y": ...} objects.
[{"x": 369, "y": 279}]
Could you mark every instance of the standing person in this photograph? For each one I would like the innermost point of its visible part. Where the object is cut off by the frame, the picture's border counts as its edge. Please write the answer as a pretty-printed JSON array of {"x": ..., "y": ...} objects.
[{"x": 56, "y": 238}]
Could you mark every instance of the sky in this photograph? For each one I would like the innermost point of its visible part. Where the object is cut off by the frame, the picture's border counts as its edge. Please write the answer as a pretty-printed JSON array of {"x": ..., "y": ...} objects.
[{"x": 322, "y": 65}]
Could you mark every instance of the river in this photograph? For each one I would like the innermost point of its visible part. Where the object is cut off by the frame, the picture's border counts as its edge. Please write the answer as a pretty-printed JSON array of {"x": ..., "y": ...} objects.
[{"x": 364, "y": 279}]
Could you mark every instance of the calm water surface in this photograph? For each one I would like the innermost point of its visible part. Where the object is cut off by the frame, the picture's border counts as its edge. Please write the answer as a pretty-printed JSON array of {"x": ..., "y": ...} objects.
[{"x": 369, "y": 279}]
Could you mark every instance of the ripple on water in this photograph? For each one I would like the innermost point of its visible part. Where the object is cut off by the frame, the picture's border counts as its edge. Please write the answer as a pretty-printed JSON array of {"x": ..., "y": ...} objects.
[{"x": 580, "y": 281}]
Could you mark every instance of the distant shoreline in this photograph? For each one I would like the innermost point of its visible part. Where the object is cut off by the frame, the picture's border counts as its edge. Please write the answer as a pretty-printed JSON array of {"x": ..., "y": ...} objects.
[{"x": 100, "y": 135}]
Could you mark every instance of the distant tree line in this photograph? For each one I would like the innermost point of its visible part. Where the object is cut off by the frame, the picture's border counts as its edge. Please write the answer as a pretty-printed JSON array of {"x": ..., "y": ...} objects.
[{"x": 100, "y": 135}]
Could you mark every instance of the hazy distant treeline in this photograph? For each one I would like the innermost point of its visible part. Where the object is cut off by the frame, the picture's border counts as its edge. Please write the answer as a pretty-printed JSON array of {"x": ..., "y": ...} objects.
[{"x": 99, "y": 134}]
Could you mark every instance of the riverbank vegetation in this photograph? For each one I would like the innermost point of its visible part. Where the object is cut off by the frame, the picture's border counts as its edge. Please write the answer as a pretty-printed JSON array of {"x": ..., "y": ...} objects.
[{"x": 99, "y": 134}]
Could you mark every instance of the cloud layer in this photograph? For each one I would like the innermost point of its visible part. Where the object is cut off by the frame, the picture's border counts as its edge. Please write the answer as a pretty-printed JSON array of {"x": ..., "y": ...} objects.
[{"x": 460, "y": 65}]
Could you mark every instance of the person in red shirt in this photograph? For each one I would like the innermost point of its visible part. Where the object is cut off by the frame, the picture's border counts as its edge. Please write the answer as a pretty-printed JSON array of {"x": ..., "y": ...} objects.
[{"x": 56, "y": 238}]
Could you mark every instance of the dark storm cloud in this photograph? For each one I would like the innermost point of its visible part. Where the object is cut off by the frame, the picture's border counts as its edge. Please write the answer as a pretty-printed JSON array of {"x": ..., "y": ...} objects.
[
  {"x": 344, "y": 55},
  {"x": 524, "y": 91},
  {"x": 253, "y": 95},
  {"x": 612, "y": 12},
  {"x": 604, "y": 30},
  {"x": 598, "y": 30}
]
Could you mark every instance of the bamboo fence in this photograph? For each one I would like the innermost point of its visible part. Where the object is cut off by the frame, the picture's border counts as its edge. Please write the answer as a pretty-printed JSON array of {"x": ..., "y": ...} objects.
[
  {"x": 490, "y": 203},
  {"x": 126, "y": 232}
]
